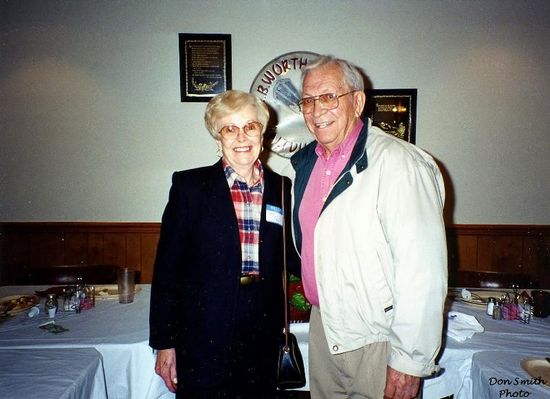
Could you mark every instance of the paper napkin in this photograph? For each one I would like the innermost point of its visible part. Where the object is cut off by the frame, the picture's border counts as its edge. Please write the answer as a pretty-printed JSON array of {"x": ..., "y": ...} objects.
[{"x": 462, "y": 326}]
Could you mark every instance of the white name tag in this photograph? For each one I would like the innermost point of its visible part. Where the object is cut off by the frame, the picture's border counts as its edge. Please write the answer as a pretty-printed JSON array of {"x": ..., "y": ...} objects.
[{"x": 274, "y": 214}]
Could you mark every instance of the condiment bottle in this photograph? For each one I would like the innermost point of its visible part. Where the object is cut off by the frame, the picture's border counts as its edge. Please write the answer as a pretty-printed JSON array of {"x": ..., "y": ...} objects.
[
  {"x": 527, "y": 311},
  {"x": 497, "y": 314},
  {"x": 51, "y": 305},
  {"x": 490, "y": 305}
]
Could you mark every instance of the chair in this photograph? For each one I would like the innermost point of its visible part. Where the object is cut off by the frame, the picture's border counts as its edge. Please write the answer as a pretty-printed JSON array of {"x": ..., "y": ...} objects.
[
  {"x": 489, "y": 279},
  {"x": 67, "y": 274}
]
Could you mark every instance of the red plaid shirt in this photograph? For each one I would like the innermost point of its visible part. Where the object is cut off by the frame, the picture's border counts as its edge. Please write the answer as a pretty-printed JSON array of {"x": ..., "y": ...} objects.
[{"x": 248, "y": 208}]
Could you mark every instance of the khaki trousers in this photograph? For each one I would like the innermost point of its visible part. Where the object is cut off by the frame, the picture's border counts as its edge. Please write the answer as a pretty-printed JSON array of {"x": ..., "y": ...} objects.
[{"x": 358, "y": 374}]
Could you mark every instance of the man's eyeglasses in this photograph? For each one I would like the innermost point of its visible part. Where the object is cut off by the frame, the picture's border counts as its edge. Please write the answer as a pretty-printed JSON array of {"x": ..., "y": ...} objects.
[
  {"x": 251, "y": 129},
  {"x": 326, "y": 101}
]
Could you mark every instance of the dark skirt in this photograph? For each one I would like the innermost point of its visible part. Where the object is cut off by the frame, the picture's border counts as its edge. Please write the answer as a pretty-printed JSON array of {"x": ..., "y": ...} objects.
[{"x": 244, "y": 369}]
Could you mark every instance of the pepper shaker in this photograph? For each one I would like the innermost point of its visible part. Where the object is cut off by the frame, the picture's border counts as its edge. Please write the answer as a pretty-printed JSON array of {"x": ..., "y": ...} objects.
[
  {"x": 497, "y": 311},
  {"x": 490, "y": 305}
]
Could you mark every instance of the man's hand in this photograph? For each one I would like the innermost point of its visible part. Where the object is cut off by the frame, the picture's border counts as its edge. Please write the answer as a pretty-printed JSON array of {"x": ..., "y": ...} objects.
[
  {"x": 400, "y": 385},
  {"x": 166, "y": 367}
]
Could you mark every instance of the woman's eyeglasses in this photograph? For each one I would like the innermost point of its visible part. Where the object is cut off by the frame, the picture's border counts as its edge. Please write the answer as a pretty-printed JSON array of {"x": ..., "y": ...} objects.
[
  {"x": 251, "y": 129},
  {"x": 326, "y": 101}
]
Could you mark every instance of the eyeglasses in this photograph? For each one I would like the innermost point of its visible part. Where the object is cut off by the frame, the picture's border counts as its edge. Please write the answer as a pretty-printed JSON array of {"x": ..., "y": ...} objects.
[
  {"x": 326, "y": 101},
  {"x": 251, "y": 129}
]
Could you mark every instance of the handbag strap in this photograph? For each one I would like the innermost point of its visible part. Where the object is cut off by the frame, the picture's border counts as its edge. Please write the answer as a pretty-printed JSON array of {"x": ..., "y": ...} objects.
[{"x": 285, "y": 277}]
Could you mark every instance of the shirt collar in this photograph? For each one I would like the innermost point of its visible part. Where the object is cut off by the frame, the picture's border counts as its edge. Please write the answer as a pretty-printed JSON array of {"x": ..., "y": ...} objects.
[
  {"x": 231, "y": 175},
  {"x": 345, "y": 146}
]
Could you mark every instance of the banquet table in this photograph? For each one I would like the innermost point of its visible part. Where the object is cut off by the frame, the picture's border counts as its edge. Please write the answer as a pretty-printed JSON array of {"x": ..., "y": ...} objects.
[
  {"x": 49, "y": 373},
  {"x": 503, "y": 339},
  {"x": 506, "y": 341},
  {"x": 119, "y": 332},
  {"x": 499, "y": 375}
]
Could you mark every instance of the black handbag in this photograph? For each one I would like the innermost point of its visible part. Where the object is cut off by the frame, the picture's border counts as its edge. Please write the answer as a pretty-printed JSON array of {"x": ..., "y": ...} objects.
[
  {"x": 290, "y": 365},
  {"x": 290, "y": 371}
]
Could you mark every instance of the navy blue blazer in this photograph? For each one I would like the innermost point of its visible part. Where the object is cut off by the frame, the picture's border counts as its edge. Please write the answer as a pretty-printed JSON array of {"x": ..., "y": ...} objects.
[{"x": 197, "y": 269}]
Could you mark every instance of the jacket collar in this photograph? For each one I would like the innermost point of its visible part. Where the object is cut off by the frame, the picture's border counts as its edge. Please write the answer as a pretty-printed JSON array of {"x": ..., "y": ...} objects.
[
  {"x": 304, "y": 161},
  {"x": 307, "y": 156}
]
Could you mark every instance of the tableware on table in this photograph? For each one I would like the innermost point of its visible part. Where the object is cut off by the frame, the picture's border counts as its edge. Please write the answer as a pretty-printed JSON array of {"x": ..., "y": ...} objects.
[
  {"x": 537, "y": 368},
  {"x": 497, "y": 311},
  {"x": 471, "y": 297},
  {"x": 126, "y": 284},
  {"x": 78, "y": 294},
  {"x": 90, "y": 294},
  {"x": 509, "y": 311},
  {"x": 14, "y": 304},
  {"x": 67, "y": 299},
  {"x": 541, "y": 303},
  {"x": 490, "y": 305},
  {"x": 51, "y": 305},
  {"x": 106, "y": 291},
  {"x": 475, "y": 297},
  {"x": 35, "y": 310},
  {"x": 110, "y": 291},
  {"x": 526, "y": 312}
]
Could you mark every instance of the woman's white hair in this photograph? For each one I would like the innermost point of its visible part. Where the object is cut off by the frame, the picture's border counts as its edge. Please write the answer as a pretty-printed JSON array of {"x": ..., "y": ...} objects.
[{"x": 230, "y": 102}]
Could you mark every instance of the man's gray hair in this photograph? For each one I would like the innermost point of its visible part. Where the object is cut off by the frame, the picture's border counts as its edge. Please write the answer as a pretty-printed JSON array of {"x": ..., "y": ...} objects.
[{"x": 352, "y": 77}]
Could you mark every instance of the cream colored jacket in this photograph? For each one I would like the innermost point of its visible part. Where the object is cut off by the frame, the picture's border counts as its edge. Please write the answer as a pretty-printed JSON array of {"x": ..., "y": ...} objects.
[{"x": 380, "y": 251}]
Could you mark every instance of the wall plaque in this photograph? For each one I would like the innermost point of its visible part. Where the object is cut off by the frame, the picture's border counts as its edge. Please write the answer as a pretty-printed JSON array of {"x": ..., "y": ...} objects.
[
  {"x": 394, "y": 111},
  {"x": 205, "y": 65}
]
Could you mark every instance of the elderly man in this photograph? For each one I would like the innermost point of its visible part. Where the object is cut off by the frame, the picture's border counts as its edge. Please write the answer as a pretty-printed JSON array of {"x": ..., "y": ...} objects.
[{"x": 368, "y": 223}]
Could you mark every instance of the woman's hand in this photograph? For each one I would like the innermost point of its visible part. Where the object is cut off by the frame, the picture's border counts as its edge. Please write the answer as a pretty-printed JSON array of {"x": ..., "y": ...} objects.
[{"x": 166, "y": 368}]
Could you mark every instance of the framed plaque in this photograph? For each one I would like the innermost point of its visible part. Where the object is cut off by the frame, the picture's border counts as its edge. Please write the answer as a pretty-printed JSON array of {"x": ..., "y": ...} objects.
[
  {"x": 205, "y": 65},
  {"x": 394, "y": 111}
]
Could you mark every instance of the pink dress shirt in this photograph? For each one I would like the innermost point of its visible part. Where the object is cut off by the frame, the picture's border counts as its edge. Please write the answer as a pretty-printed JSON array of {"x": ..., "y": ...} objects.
[{"x": 323, "y": 176}]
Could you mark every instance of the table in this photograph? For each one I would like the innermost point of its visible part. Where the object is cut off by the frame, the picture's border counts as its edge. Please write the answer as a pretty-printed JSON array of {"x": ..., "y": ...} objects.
[
  {"x": 503, "y": 339},
  {"x": 49, "y": 373},
  {"x": 461, "y": 361},
  {"x": 119, "y": 332},
  {"x": 500, "y": 375}
]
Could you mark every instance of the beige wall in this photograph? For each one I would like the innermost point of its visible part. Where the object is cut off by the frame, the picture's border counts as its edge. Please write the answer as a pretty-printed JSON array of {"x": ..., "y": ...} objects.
[{"x": 91, "y": 123}]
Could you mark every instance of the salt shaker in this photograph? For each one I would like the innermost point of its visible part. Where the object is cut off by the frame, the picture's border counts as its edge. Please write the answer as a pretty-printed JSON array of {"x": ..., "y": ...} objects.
[
  {"x": 490, "y": 305},
  {"x": 51, "y": 305}
]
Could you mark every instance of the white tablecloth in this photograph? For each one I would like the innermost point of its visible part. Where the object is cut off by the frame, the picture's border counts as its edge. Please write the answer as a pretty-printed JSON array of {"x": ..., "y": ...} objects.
[
  {"x": 120, "y": 332},
  {"x": 499, "y": 374},
  {"x": 50, "y": 373},
  {"x": 505, "y": 336}
]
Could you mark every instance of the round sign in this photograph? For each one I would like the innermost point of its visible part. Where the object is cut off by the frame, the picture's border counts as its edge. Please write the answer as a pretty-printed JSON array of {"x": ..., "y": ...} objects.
[{"x": 279, "y": 83}]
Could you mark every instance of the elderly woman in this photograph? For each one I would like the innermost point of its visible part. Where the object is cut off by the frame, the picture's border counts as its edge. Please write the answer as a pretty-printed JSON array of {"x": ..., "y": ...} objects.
[{"x": 216, "y": 298}]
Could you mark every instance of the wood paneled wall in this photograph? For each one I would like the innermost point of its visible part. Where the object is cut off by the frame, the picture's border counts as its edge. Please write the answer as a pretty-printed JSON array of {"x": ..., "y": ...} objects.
[
  {"x": 33, "y": 245},
  {"x": 510, "y": 249},
  {"x": 523, "y": 249}
]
